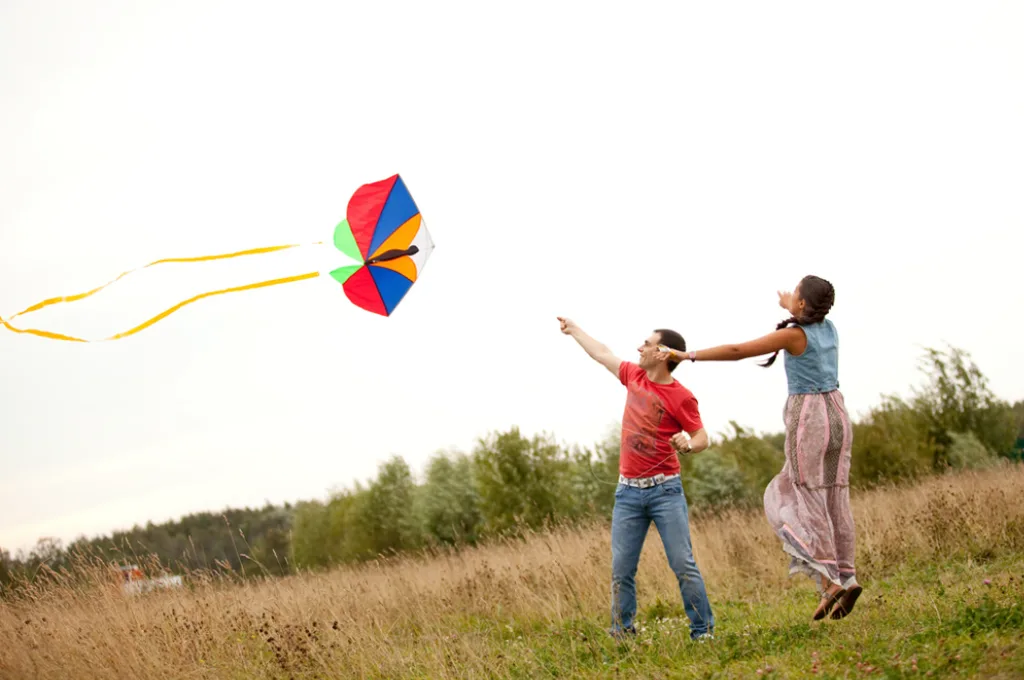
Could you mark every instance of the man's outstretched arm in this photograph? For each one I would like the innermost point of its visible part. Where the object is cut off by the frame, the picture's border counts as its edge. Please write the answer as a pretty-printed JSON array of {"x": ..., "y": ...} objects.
[{"x": 597, "y": 351}]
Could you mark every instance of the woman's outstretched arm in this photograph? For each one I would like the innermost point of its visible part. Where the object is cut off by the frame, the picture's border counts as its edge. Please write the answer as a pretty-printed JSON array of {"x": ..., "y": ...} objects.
[{"x": 792, "y": 340}]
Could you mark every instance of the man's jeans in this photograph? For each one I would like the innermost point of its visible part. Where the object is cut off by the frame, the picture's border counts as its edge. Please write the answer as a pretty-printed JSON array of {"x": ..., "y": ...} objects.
[{"x": 635, "y": 508}]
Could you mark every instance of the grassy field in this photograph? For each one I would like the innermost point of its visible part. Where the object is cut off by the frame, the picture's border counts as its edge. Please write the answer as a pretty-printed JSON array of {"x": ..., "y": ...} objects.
[{"x": 942, "y": 564}]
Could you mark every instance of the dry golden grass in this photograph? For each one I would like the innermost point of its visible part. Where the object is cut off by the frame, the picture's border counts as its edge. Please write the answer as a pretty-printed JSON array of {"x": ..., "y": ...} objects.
[{"x": 461, "y": 615}]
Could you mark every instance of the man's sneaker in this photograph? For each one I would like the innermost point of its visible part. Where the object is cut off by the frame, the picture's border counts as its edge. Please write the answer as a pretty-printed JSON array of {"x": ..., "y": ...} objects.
[{"x": 621, "y": 633}]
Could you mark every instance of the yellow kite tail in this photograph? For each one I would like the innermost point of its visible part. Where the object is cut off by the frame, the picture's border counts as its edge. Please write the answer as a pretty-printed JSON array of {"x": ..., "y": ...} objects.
[
  {"x": 202, "y": 258},
  {"x": 166, "y": 313},
  {"x": 166, "y": 260},
  {"x": 223, "y": 291}
]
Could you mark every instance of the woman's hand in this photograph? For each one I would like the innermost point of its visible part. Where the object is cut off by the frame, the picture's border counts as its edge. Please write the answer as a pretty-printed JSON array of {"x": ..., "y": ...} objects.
[
  {"x": 665, "y": 353},
  {"x": 785, "y": 299}
]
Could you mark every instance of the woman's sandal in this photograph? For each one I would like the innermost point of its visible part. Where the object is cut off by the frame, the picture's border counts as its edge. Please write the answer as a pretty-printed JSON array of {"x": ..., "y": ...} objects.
[
  {"x": 845, "y": 605},
  {"x": 828, "y": 600}
]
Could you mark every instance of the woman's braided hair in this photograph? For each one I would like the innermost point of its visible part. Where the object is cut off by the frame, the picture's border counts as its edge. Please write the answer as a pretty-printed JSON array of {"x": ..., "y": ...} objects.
[{"x": 818, "y": 296}]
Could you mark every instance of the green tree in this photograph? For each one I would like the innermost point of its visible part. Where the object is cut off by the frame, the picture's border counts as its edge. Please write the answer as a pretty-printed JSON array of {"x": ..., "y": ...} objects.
[
  {"x": 389, "y": 509},
  {"x": 49, "y": 552},
  {"x": 593, "y": 476},
  {"x": 8, "y": 569},
  {"x": 777, "y": 440},
  {"x": 450, "y": 501},
  {"x": 957, "y": 398},
  {"x": 310, "y": 535},
  {"x": 520, "y": 480},
  {"x": 271, "y": 551},
  {"x": 349, "y": 537},
  {"x": 1018, "y": 410}
]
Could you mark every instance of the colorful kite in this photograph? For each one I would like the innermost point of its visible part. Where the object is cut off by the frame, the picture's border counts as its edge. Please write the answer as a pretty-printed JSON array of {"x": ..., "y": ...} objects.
[{"x": 384, "y": 232}]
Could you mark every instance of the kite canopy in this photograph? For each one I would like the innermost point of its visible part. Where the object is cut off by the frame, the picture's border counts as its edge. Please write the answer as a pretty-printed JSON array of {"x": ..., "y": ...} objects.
[{"x": 384, "y": 231}]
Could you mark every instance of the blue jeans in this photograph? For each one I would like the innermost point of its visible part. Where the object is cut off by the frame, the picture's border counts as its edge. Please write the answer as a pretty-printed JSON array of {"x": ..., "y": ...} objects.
[{"x": 635, "y": 508}]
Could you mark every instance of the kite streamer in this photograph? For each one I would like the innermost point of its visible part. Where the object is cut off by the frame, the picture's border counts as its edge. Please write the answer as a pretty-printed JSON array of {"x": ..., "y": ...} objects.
[
  {"x": 202, "y": 258},
  {"x": 383, "y": 230}
]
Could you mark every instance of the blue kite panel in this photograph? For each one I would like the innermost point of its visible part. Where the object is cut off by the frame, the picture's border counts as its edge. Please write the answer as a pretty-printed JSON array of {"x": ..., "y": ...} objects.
[
  {"x": 397, "y": 211},
  {"x": 391, "y": 285}
]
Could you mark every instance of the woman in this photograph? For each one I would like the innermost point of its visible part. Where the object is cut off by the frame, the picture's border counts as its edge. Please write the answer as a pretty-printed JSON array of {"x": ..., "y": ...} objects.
[{"x": 808, "y": 502}]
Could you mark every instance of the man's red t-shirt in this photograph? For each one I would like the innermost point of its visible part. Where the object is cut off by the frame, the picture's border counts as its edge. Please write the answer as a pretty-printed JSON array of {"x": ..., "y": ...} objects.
[{"x": 654, "y": 412}]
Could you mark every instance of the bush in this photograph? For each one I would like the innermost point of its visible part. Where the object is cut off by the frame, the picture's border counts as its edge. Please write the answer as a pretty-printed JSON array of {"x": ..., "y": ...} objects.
[
  {"x": 714, "y": 482},
  {"x": 893, "y": 443},
  {"x": 966, "y": 452}
]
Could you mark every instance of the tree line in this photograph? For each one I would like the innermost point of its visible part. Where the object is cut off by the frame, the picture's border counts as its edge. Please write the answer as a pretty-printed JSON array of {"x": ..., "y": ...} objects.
[{"x": 510, "y": 483}]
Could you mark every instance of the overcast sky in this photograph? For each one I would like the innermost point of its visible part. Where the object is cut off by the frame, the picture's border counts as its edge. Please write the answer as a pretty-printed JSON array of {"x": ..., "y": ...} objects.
[{"x": 631, "y": 166}]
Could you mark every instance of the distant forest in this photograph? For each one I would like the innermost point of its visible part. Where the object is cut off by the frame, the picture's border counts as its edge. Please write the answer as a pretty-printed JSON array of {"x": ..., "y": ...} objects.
[{"x": 510, "y": 482}]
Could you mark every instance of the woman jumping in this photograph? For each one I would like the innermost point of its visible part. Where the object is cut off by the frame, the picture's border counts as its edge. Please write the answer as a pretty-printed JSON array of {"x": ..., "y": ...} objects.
[{"x": 808, "y": 502}]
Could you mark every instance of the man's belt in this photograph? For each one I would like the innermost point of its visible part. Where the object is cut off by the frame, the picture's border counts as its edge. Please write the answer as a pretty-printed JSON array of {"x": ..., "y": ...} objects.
[{"x": 646, "y": 482}]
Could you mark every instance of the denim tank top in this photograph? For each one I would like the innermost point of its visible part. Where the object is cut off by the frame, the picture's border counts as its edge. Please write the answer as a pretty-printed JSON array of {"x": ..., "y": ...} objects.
[{"x": 817, "y": 369}]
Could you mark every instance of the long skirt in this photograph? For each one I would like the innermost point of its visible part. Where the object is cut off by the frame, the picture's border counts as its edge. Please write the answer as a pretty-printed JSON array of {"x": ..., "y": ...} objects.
[{"x": 808, "y": 502}]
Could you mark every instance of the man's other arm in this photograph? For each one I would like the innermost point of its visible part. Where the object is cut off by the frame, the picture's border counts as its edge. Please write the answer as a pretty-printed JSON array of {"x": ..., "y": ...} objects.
[{"x": 697, "y": 441}]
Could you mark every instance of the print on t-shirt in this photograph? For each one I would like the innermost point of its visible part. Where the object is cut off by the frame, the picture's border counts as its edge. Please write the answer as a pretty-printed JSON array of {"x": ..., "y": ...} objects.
[
  {"x": 644, "y": 411},
  {"x": 654, "y": 412}
]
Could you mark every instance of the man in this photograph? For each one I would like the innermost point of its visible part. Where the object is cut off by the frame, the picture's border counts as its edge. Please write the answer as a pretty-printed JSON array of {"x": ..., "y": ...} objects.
[{"x": 658, "y": 412}]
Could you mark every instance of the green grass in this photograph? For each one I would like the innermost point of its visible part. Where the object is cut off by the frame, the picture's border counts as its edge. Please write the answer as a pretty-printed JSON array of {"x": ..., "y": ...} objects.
[{"x": 921, "y": 622}]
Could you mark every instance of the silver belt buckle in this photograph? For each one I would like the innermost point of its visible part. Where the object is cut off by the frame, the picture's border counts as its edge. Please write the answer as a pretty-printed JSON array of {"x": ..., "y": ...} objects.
[
  {"x": 648, "y": 482},
  {"x": 644, "y": 482}
]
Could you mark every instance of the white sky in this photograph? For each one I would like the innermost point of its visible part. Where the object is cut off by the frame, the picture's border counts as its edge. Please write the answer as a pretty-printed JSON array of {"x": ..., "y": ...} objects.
[{"x": 630, "y": 166}]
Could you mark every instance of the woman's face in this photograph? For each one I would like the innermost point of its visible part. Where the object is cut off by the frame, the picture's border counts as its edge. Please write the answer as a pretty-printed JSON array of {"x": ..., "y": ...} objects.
[{"x": 796, "y": 303}]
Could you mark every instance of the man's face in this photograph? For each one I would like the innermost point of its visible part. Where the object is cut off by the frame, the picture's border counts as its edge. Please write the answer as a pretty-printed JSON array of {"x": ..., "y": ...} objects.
[{"x": 648, "y": 350}]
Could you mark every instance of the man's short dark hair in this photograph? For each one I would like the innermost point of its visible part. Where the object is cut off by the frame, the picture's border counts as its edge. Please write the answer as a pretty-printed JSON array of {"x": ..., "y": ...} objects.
[{"x": 670, "y": 338}]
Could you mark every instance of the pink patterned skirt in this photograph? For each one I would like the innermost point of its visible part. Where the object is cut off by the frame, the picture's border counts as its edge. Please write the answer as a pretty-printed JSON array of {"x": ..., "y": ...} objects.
[{"x": 808, "y": 502}]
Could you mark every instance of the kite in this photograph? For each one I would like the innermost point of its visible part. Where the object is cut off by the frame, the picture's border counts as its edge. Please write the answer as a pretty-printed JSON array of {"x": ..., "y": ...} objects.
[{"x": 383, "y": 232}]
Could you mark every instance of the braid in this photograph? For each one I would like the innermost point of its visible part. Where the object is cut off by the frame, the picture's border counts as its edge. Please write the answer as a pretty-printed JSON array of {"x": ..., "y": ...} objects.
[
  {"x": 782, "y": 324},
  {"x": 818, "y": 295}
]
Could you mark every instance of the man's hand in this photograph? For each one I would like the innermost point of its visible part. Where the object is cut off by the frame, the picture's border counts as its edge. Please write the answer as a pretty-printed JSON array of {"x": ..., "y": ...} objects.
[
  {"x": 681, "y": 442},
  {"x": 568, "y": 325},
  {"x": 694, "y": 442}
]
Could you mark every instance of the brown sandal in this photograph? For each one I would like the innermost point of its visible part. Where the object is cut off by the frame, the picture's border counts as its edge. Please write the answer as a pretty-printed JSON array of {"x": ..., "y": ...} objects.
[
  {"x": 828, "y": 600},
  {"x": 845, "y": 605}
]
